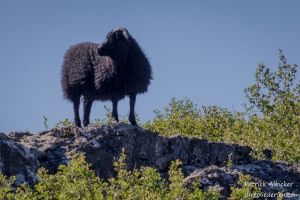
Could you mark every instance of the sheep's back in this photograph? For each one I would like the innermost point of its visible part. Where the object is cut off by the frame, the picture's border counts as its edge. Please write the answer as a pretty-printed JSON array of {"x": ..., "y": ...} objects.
[{"x": 77, "y": 69}]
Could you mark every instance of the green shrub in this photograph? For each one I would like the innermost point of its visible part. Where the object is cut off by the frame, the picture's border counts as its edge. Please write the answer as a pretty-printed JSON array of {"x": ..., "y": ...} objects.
[
  {"x": 146, "y": 183},
  {"x": 65, "y": 123},
  {"x": 273, "y": 96},
  {"x": 244, "y": 191},
  {"x": 272, "y": 120},
  {"x": 6, "y": 186},
  {"x": 184, "y": 118},
  {"x": 77, "y": 181}
]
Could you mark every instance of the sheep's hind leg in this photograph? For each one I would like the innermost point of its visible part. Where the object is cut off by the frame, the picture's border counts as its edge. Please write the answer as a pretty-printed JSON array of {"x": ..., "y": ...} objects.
[
  {"x": 131, "y": 118},
  {"x": 87, "y": 111},
  {"x": 76, "y": 103},
  {"x": 114, "y": 114}
]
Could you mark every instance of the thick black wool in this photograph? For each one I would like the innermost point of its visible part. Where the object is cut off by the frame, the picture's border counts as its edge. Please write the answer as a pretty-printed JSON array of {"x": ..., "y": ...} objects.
[{"x": 123, "y": 70}]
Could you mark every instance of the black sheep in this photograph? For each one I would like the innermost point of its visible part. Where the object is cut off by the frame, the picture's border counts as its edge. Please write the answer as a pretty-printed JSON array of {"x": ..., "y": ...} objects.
[{"x": 109, "y": 71}]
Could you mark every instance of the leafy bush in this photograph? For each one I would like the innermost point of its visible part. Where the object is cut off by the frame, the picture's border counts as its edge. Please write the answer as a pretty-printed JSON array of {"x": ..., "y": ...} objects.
[
  {"x": 279, "y": 103},
  {"x": 274, "y": 125},
  {"x": 6, "y": 186},
  {"x": 77, "y": 181},
  {"x": 281, "y": 100},
  {"x": 65, "y": 123},
  {"x": 182, "y": 117},
  {"x": 244, "y": 191}
]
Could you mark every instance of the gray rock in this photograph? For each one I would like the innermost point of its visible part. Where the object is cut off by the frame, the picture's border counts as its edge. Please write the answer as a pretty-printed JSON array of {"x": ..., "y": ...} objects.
[
  {"x": 271, "y": 177},
  {"x": 3, "y": 136},
  {"x": 102, "y": 146},
  {"x": 16, "y": 159}
]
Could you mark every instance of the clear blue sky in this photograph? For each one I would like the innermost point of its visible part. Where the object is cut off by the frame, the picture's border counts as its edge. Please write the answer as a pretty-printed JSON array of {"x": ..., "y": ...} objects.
[{"x": 204, "y": 50}]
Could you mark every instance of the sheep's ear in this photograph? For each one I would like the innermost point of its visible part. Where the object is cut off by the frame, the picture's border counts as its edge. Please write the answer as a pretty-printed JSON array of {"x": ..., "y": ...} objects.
[
  {"x": 121, "y": 32},
  {"x": 126, "y": 34}
]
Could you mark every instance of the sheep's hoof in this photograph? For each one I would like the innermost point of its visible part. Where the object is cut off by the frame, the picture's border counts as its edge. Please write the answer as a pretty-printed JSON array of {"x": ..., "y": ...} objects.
[
  {"x": 133, "y": 123},
  {"x": 86, "y": 123},
  {"x": 78, "y": 124}
]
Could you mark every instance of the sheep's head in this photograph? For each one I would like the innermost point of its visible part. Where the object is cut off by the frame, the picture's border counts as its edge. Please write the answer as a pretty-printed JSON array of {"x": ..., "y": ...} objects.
[{"x": 115, "y": 45}]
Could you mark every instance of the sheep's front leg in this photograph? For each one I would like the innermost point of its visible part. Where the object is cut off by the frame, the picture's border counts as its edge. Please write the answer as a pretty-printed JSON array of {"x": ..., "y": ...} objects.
[
  {"x": 87, "y": 111},
  {"x": 131, "y": 117},
  {"x": 76, "y": 103},
  {"x": 114, "y": 114}
]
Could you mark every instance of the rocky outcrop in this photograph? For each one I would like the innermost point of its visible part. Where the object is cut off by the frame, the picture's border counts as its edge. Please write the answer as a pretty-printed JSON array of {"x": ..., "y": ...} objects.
[
  {"x": 271, "y": 177},
  {"x": 102, "y": 146},
  {"x": 16, "y": 160}
]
